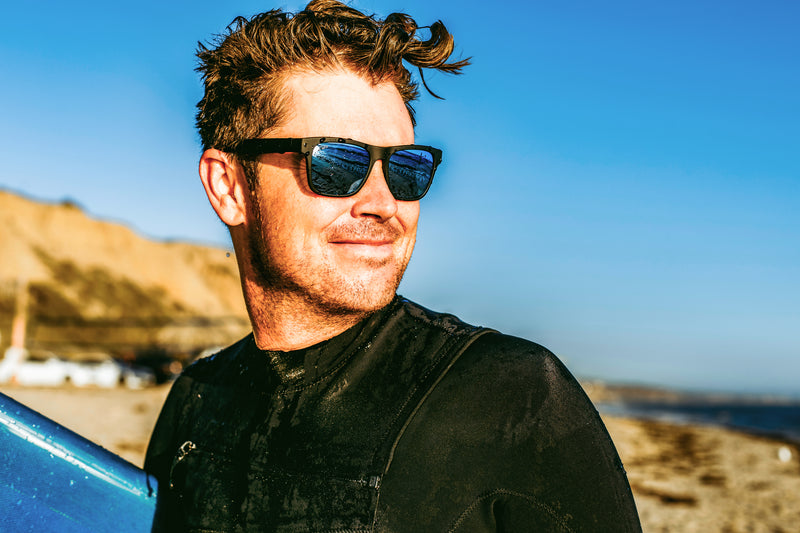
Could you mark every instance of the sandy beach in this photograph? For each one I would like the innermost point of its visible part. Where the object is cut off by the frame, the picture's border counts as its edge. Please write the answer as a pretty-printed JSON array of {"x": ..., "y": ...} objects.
[{"x": 684, "y": 478}]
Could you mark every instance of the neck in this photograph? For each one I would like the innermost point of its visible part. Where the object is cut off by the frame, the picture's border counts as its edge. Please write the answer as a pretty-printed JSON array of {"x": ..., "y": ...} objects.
[{"x": 283, "y": 322}]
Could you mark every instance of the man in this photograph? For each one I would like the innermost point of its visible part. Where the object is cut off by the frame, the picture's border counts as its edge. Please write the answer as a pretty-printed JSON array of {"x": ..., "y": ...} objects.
[{"x": 350, "y": 408}]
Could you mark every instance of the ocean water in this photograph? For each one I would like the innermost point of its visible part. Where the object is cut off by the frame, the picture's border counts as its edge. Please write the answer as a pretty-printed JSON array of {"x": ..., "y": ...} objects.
[{"x": 781, "y": 420}]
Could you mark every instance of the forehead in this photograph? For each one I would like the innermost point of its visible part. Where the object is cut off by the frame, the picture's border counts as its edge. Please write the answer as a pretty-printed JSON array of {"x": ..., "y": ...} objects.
[{"x": 342, "y": 103}]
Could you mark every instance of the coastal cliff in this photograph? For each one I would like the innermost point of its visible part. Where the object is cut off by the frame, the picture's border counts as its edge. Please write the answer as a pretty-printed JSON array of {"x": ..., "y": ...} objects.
[{"x": 94, "y": 285}]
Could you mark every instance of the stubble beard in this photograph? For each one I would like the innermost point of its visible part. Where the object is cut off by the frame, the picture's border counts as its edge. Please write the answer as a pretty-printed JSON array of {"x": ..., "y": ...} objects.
[{"x": 322, "y": 289}]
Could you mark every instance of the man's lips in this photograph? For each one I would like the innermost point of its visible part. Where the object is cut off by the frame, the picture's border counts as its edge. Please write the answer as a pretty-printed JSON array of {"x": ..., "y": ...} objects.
[
  {"x": 364, "y": 242},
  {"x": 373, "y": 246},
  {"x": 363, "y": 248}
]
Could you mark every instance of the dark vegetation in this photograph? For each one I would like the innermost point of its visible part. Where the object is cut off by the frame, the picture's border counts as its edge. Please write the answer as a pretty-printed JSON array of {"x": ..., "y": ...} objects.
[{"x": 95, "y": 310}]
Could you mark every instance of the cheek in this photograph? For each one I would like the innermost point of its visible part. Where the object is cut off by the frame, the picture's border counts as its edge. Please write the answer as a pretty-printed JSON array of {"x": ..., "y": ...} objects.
[
  {"x": 287, "y": 210},
  {"x": 309, "y": 223},
  {"x": 408, "y": 215}
]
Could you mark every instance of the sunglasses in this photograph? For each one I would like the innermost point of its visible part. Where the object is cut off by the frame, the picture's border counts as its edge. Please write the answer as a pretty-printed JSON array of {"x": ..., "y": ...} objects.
[{"x": 340, "y": 167}]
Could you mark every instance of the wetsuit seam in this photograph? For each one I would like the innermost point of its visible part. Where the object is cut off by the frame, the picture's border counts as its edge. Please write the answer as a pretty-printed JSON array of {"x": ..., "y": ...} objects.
[
  {"x": 478, "y": 332},
  {"x": 452, "y": 341},
  {"x": 496, "y": 492},
  {"x": 452, "y": 344}
]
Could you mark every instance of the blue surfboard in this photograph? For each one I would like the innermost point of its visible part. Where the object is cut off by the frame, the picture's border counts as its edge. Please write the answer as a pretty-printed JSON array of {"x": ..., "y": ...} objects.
[{"x": 52, "y": 479}]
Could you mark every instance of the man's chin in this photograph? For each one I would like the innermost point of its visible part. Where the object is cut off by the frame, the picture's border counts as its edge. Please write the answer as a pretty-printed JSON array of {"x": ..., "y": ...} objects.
[
  {"x": 365, "y": 295},
  {"x": 362, "y": 302}
]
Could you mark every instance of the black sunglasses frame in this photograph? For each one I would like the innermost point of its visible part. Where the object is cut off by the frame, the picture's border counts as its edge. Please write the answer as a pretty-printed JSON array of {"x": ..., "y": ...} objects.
[{"x": 306, "y": 145}]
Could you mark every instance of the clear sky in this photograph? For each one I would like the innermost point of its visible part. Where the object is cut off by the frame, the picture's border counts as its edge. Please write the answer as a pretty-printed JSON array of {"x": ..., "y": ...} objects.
[{"x": 621, "y": 180}]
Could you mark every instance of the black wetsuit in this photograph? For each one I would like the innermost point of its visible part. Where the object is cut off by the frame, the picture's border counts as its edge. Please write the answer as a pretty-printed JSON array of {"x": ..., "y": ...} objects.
[{"x": 411, "y": 421}]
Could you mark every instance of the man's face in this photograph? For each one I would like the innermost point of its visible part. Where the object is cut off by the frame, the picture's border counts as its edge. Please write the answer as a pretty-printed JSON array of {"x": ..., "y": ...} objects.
[{"x": 341, "y": 255}]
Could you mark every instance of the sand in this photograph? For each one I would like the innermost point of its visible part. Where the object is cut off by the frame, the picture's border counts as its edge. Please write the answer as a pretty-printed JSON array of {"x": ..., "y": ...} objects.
[
  {"x": 684, "y": 478},
  {"x": 700, "y": 479}
]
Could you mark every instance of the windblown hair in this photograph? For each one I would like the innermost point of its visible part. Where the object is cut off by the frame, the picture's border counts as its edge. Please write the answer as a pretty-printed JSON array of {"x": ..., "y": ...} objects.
[{"x": 244, "y": 71}]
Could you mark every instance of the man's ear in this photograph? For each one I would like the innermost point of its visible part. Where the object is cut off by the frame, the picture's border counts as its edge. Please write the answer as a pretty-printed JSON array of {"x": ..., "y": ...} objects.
[{"x": 225, "y": 185}]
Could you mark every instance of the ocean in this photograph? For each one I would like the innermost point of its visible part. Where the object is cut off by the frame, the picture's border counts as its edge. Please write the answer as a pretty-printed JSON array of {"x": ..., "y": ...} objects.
[{"x": 780, "y": 420}]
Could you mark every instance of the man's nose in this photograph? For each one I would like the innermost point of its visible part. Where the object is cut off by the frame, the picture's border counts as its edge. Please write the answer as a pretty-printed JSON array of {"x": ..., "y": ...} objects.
[{"x": 375, "y": 199}]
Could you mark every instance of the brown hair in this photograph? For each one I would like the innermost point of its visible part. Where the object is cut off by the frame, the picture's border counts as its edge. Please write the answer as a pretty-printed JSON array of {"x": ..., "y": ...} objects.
[{"x": 244, "y": 71}]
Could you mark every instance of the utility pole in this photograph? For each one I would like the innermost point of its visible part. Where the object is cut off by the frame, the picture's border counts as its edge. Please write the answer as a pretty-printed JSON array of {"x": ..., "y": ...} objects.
[
  {"x": 20, "y": 322},
  {"x": 16, "y": 352}
]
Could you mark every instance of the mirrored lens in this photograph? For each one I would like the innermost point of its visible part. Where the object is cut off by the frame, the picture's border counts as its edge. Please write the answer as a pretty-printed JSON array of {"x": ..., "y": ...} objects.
[
  {"x": 338, "y": 169},
  {"x": 409, "y": 173}
]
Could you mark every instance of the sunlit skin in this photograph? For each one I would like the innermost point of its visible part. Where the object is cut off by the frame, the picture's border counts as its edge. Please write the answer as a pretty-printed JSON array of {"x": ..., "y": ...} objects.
[{"x": 313, "y": 266}]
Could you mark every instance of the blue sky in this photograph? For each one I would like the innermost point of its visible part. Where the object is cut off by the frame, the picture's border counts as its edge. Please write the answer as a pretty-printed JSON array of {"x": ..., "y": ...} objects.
[{"x": 621, "y": 179}]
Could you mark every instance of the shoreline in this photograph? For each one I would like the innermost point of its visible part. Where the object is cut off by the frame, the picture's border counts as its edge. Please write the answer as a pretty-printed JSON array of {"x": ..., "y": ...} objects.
[
  {"x": 765, "y": 416},
  {"x": 603, "y": 392},
  {"x": 711, "y": 416}
]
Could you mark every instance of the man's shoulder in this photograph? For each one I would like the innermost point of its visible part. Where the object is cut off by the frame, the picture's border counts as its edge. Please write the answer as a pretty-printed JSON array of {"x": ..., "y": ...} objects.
[
  {"x": 505, "y": 370},
  {"x": 499, "y": 350},
  {"x": 488, "y": 345},
  {"x": 418, "y": 315},
  {"x": 490, "y": 359},
  {"x": 513, "y": 359},
  {"x": 509, "y": 423}
]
